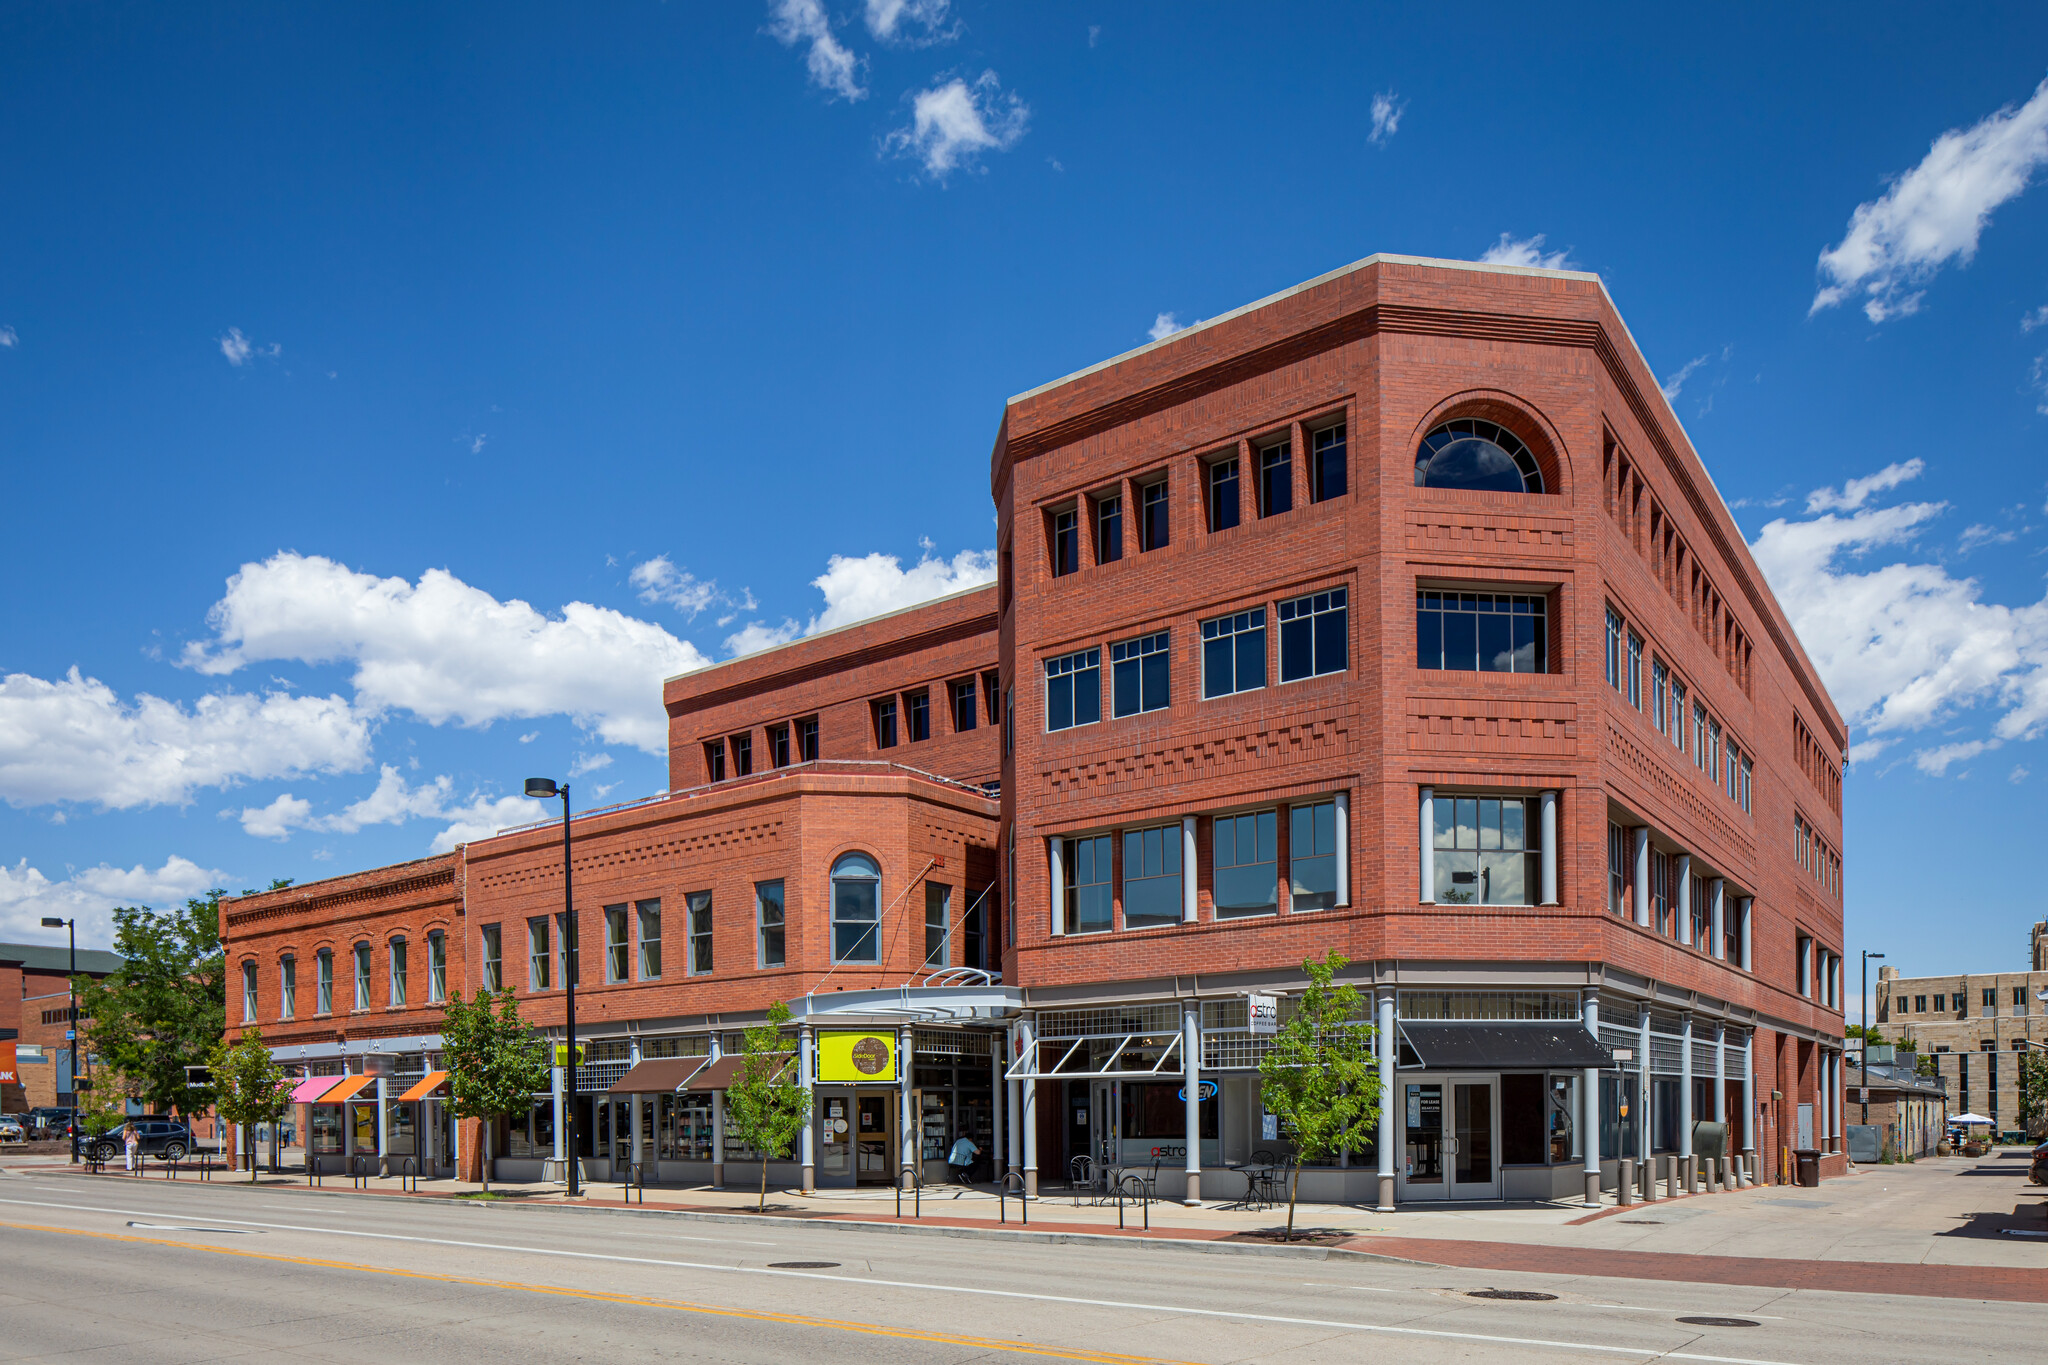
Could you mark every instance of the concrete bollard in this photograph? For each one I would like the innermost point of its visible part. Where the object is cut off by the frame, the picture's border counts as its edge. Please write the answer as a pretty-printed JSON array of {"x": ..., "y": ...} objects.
[
  {"x": 1653, "y": 1171},
  {"x": 1625, "y": 1187},
  {"x": 1713, "y": 1169},
  {"x": 1688, "y": 1174}
]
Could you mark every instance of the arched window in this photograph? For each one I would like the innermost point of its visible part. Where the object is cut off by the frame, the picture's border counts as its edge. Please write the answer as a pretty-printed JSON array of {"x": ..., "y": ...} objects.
[
  {"x": 362, "y": 956},
  {"x": 856, "y": 909},
  {"x": 1472, "y": 453}
]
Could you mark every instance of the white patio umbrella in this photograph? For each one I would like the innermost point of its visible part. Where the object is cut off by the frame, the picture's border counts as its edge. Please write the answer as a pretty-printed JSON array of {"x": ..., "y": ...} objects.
[{"x": 1970, "y": 1118}]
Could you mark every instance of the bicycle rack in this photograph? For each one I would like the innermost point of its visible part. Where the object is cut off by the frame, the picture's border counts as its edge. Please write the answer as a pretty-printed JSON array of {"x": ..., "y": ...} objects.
[
  {"x": 170, "y": 1167},
  {"x": 409, "y": 1175},
  {"x": 359, "y": 1170},
  {"x": 917, "y": 1194},
  {"x": 636, "y": 1180},
  {"x": 1124, "y": 1191},
  {"x": 1003, "y": 1194}
]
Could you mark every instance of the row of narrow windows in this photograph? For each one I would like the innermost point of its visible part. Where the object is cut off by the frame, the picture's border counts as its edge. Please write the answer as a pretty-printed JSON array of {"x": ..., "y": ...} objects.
[
  {"x": 1814, "y": 762},
  {"x": 397, "y": 979},
  {"x": 1917, "y": 1004},
  {"x": 1693, "y": 730}
]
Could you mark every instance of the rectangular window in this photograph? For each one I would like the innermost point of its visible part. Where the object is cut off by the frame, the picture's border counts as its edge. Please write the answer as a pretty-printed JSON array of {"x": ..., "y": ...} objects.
[
  {"x": 538, "y": 954},
  {"x": 2019, "y": 999},
  {"x": 1152, "y": 885},
  {"x": 1481, "y": 631},
  {"x": 1312, "y": 855},
  {"x": 1731, "y": 928},
  {"x": 1731, "y": 772},
  {"x": 1702, "y": 915},
  {"x": 1086, "y": 867},
  {"x": 1617, "y": 869},
  {"x": 1612, "y": 651},
  {"x": 323, "y": 981},
  {"x": 742, "y": 755},
  {"x": 1487, "y": 850},
  {"x": 1746, "y": 766},
  {"x": 965, "y": 708},
  {"x": 1660, "y": 892},
  {"x": 1919, "y": 1004},
  {"x": 1699, "y": 735},
  {"x": 1073, "y": 690},
  {"x": 778, "y": 746},
  {"x": 287, "y": 988},
  {"x": 437, "y": 967},
  {"x": 618, "y": 944},
  {"x": 697, "y": 909},
  {"x": 973, "y": 935},
  {"x": 1941, "y": 1004},
  {"x": 1244, "y": 878},
  {"x": 362, "y": 956},
  {"x": 991, "y": 696},
  {"x": 807, "y": 740},
  {"x": 1276, "y": 479},
  {"x": 1139, "y": 674},
  {"x": 1066, "y": 543},
  {"x": 1234, "y": 653},
  {"x": 856, "y": 913},
  {"x": 650, "y": 939},
  {"x": 917, "y": 710},
  {"x": 1109, "y": 530},
  {"x": 494, "y": 958},
  {"x": 1326, "y": 470},
  {"x": 938, "y": 925},
  {"x": 714, "y": 760},
  {"x": 885, "y": 723},
  {"x": 1635, "y": 670},
  {"x": 571, "y": 950},
  {"x": 1223, "y": 509},
  {"x": 248, "y": 992},
  {"x": 1314, "y": 635},
  {"x": 1678, "y": 715},
  {"x": 1152, "y": 524},
  {"x": 1990, "y": 1000},
  {"x": 768, "y": 916},
  {"x": 1660, "y": 691}
]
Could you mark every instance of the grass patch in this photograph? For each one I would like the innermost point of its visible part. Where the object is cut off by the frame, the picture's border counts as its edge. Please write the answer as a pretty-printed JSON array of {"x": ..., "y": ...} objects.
[{"x": 480, "y": 1194}]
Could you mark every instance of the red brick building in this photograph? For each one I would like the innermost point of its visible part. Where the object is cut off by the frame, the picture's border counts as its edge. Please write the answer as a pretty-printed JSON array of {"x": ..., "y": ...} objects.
[
  {"x": 1393, "y": 614},
  {"x": 36, "y": 1012}
]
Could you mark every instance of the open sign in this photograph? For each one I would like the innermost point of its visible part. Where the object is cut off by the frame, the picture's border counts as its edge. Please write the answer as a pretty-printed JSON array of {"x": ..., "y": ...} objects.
[{"x": 1203, "y": 1090}]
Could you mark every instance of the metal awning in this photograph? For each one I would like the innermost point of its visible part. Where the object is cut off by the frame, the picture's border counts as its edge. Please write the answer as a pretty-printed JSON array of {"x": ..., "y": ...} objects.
[
  {"x": 425, "y": 1086},
  {"x": 722, "y": 1073},
  {"x": 1504, "y": 1044},
  {"x": 1030, "y": 1064},
  {"x": 312, "y": 1088},
  {"x": 349, "y": 1088},
  {"x": 658, "y": 1076}
]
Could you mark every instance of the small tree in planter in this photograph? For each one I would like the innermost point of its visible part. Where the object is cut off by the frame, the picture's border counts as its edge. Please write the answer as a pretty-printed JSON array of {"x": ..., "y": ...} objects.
[
  {"x": 1320, "y": 1077},
  {"x": 102, "y": 1107},
  {"x": 766, "y": 1106},
  {"x": 249, "y": 1087},
  {"x": 495, "y": 1063}
]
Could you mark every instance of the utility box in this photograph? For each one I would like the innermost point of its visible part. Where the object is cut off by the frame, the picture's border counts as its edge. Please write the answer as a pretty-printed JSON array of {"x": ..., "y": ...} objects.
[
  {"x": 1711, "y": 1140},
  {"x": 1866, "y": 1143}
]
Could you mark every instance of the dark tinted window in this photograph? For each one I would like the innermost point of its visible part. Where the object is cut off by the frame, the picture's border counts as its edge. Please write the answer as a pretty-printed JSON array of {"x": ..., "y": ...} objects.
[
  {"x": 1326, "y": 471},
  {"x": 1066, "y": 542},
  {"x": 1109, "y": 530},
  {"x": 1276, "y": 479},
  {"x": 1469, "y": 453},
  {"x": 1223, "y": 508},
  {"x": 1153, "y": 532}
]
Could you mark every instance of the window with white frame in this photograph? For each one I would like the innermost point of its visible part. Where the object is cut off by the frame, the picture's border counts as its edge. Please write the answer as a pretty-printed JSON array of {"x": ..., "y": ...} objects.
[
  {"x": 1612, "y": 653},
  {"x": 856, "y": 909},
  {"x": 1699, "y": 736},
  {"x": 494, "y": 957},
  {"x": 1617, "y": 868},
  {"x": 437, "y": 966},
  {"x": 323, "y": 981},
  {"x": 1314, "y": 637},
  {"x": 362, "y": 976},
  {"x": 938, "y": 925},
  {"x": 1660, "y": 692},
  {"x": 618, "y": 944},
  {"x": 539, "y": 954},
  {"x": 1746, "y": 767},
  {"x": 1245, "y": 856},
  {"x": 1487, "y": 850},
  {"x": 287, "y": 987},
  {"x": 768, "y": 915},
  {"x": 1312, "y": 855},
  {"x": 1073, "y": 690},
  {"x": 1678, "y": 715},
  {"x": 697, "y": 909},
  {"x": 248, "y": 992},
  {"x": 1152, "y": 876},
  {"x": 1234, "y": 653},
  {"x": 398, "y": 966},
  {"x": 649, "y": 914},
  {"x": 1140, "y": 672},
  {"x": 1635, "y": 670},
  {"x": 1085, "y": 868}
]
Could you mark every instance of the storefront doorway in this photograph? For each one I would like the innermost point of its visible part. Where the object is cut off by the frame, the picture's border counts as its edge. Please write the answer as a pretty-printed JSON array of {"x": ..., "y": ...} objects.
[
  {"x": 1449, "y": 1144},
  {"x": 874, "y": 1137}
]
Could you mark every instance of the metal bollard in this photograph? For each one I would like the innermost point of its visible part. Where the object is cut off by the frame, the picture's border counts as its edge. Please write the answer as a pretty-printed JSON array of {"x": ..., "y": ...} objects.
[{"x": 1625, "y": 1187}]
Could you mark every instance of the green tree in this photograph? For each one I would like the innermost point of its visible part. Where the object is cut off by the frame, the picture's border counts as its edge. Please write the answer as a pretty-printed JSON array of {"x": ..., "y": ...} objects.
[
  {"x": 249, "y": 1086},
  {"x": 1867, "y": 1032},
  {"x": 765, "y": 1106},
  {"x": 103, "y": 1107},
  {"x": 1320, "y": 1077},
  {"x": 2034, "y": 1093},
  {"x": 165, "y": 1007},
  {"x": 495, "y": 1062}
]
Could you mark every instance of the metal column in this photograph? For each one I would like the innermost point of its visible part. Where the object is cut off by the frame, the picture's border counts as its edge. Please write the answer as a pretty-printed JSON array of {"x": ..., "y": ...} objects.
[
  {"x": 383, "y": 1130},
  {"x": 716, "y": 1051},
  {"x": 1191, "y": 1082},
  {"x": 1590, "y": 1012},
  {"x": 1547, "y": 859},
  {"x": 1427, "y": 823},
  {"x": 910, "y": 1140},
  {"x": 1385, "y": 1007},
  {"x": 1028, "y": 1112},
  {"x": 1642, "y": 874},
  {"x": 809, "y": 1143}
]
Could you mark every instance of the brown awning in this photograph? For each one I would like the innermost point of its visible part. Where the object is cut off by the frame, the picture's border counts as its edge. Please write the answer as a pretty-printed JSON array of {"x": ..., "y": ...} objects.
[
  {"x": 348, "y": 1089},
  {"x": 660, "y": 1076},
  {"x": 721, "y": 1073},
  {"x": 427, "y": 1085}
]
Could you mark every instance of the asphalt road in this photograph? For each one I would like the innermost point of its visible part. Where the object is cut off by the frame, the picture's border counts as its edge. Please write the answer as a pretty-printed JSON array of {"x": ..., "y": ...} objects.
[{"x": 107, "y": 1270}]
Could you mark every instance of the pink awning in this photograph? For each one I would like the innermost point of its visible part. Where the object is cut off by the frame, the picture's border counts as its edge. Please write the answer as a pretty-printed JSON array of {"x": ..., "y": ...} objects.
[{"x": 313, "y": 1087}]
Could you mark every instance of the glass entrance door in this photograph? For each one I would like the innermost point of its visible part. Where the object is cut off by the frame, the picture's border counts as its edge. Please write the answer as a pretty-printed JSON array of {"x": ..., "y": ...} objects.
[
  {"x": 1422, "y": 1145},
  {"x": 874, "y": 1137},
  {"x": 1103, "y": 1126},
  {"x": 835, "y": 1139},
  {"x": 1450, "y": 1145},
  {"x": 1474, "y": 1163}
]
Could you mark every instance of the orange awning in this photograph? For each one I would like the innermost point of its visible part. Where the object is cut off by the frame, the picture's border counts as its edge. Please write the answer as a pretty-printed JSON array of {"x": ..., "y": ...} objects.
[
  {"x": 427, "y": 1085},
  {"x": 347, "y": 1090}
]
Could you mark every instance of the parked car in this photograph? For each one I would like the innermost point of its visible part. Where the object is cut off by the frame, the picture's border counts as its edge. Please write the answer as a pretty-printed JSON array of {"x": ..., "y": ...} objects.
[
  {"x": 50, "y": 1121},
  {"x": 2038, "y": 1170},
  {"x": 159, "y": 1137},
  {"x": 12, "y": 1129}
]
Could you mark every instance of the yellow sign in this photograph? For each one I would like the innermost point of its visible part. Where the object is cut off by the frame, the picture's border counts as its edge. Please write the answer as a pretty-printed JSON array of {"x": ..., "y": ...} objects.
[
  {"x": 562, "y": 1054},
  {"x": 856, "y": 1058}
]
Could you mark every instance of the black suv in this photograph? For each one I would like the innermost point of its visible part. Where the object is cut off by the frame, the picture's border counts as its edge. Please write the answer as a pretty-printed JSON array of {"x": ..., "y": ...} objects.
[
  {"x": 158, "y": 1137},
  {"x": 49, "y": 1121}
]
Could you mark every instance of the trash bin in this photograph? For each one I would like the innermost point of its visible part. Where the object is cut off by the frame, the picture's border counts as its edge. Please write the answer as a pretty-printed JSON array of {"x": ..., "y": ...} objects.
[{"x": 1809, "y": 1167}]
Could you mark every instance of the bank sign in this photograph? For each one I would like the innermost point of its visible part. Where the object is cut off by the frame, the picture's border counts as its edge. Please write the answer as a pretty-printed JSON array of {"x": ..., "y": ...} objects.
[
  {"x": 856, "y": 1058},
  {"x": 8, "y": 1075}
]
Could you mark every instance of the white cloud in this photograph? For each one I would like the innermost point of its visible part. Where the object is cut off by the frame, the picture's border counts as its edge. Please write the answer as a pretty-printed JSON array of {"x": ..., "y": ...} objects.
[
  {"x": 831, "y": 65},
  {"x": 1977, "y": 536},
  {"x": 873, "y": 585},
  {"x": 953, "y": 124},
  {"x": 661, "y": 581},
  {"x": 278, "y": 819},
  {"x": 529, "y": 737},
  {"x": 89, "y": 896},
  {"x": 476, "y": 445},
  {"x": 8, "y": 338},
  {"x": 1856, "y": 492},
  {"x": 485, "y": 816},
  {"x": 589, "y": 763},
  {"x": 394, "y": 802},
  {"x": 2037, "y": 379},
  {"x": 74, "y": 740},
  {"x": 1164, "y": 326},
  {"x": 2037, "y": 318},
  {"x": 1903, "y": 646},
  {"x": 911, "y": 23},
  {"x": 1935, "y": 212},
  {"x": 446, "y": 651},
  {"x": 1527, "y": 251},
  {"x": 756, "y": 636},
  {"x": 2018, "y": 774},
  {"x": 1676, "y": 382},
  {"x": 238, "y": 348},
  {"x": 1387, "y": 108}
]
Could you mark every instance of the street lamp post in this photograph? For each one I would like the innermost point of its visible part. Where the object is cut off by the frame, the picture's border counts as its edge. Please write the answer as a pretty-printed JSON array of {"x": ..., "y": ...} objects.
[
  {"x": 1864, "y": 1089},
  {"x": 541, "y": 789},
  {"x": 71, "y": 1023}
]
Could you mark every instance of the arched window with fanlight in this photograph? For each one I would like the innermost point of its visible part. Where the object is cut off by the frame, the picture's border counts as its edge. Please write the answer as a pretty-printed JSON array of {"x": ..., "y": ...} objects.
[
  {"x": 1473, "y": 453},
  {"x": 856, "y": 909}
]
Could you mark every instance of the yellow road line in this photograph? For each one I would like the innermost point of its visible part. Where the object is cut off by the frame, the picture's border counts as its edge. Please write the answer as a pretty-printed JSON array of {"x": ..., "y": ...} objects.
[{"x": 633, "y": 1300}]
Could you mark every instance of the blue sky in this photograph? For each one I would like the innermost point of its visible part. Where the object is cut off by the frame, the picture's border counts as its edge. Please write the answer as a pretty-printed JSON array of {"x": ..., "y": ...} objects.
[{"x": 514, "y": 356}]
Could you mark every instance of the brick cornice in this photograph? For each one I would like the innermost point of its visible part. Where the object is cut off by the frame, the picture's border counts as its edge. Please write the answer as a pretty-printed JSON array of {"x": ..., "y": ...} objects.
[
  {"x": 982, "y": 624},
  {"x": 411, "y": 886}
]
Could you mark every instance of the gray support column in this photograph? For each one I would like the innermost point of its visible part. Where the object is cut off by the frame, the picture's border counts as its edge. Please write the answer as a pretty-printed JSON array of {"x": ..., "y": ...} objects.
[
  {"x": 641, "y": 1154},
  {"x": 1190, "y": 903},
  {"x": 1548, "y": 858},
  {"x": 1191, "y": 1083},
  {"x": 1717, "y": 903},
  {"x": 383, "y": 1130},
  {"x": 997, "y": 1109},
  {"x": 1054, "y": 850},
  {"x": 1642, "y": 874},
  {"x": 1834, "y": 1102},
  {"x": 1749, "y": 1107},
  {"x": 1685, "y": 1092},
  {"x": 1013, "y": 1112},
  {"x": 1642, "y": 1087},
  {"x": 1028, "y": 1109},
  {"x": 1721, "y": 1080},
  {"x": 1343, "y": 803},
  {"x": 1387, "y": 1051},
  {"x": 1590, "y": 1082},
  {"x": 910, "y": 1139},
  {"x": 1684, "y": 874},
  {"x": 1748, "y": 905},
  {"x": 1428, "y": 848},
  {"x": 806, "y": 1069},
  {"x": 556, "y": 1088}
]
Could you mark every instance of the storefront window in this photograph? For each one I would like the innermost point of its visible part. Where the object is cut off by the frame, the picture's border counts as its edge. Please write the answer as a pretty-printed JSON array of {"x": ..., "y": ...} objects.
[
  {"x": 363, "y": 1119},
  {"x": 399, "y": 1121},
  {"x": 326, "y": 1129}
]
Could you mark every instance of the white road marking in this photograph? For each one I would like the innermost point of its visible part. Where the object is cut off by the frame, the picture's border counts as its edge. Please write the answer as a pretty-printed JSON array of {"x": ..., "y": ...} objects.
[
  {"x": 657, "y": 1236},
  {"x": 1235, "y": 1316},
  {"x": 1573, "y": 1303},
  {"x": 187, "y": 1227}
]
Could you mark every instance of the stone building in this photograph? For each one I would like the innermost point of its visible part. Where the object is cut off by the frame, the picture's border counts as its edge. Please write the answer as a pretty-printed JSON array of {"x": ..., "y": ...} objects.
[{"x": 1976, "y": 1025}]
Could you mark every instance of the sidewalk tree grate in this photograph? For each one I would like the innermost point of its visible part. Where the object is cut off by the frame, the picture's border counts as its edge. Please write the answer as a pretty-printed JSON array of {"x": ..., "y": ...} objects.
[
  {"x": 1518, "y": 1295},
  {"x": 1718, "y": 1322},
  {"x": 803, "y": 1265}
]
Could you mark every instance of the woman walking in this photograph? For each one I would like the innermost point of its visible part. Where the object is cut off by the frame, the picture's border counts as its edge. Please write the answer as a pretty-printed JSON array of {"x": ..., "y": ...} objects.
[{"x": 130, "y": 1141}]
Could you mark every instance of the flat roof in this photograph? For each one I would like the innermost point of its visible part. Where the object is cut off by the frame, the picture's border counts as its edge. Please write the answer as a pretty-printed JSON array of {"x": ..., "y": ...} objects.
[
  {"x": 43, "y": 957},
  {"x": 826, "y": 634}
]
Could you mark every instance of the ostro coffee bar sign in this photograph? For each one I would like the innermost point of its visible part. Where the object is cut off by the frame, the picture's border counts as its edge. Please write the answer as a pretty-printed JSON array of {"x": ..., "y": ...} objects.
[
  {"x": 856, "y": 1058},
  {"x": 1264, "y": 1013}
]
